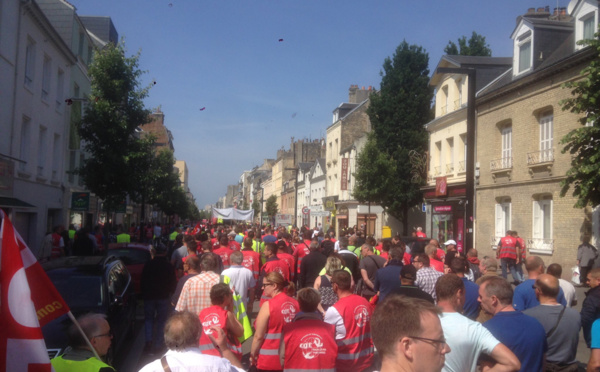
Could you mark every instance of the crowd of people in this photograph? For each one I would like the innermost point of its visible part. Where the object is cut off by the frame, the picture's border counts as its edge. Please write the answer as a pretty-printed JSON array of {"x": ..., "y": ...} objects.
[{"x": 352, "y": 304}]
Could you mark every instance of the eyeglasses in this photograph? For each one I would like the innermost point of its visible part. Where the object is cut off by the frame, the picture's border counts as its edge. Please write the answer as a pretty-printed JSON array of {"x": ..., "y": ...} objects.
[
  {"x": 438, "y": 344},
  {"x": 534, "y": 287},
  {"x": 266, "y": 284}
]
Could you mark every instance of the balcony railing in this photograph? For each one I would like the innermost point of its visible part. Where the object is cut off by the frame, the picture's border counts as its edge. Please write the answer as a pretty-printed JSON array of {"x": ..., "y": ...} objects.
[
  {"x": 502, "y": 163},
  {"x": 461, "y": 166},
  {"x": 539, "y": 157},
  {"x": 450, "y": 168},
  {"x": 540, "y": 245},
  {"x": 457, "y": 104},
  {"x": 437, "y": 171}
]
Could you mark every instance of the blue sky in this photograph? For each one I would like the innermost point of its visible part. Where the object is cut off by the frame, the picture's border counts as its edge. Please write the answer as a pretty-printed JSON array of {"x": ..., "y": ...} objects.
[{"x": 258, "y": 92}]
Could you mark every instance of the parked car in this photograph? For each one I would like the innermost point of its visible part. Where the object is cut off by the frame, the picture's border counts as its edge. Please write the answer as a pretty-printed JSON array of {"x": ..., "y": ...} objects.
[
  {"x": 134, "y": 256},
  {"x": 96, "y": 284}
]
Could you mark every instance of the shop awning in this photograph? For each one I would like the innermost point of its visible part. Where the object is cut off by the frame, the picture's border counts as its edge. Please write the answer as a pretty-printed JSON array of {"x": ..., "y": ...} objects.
[{"x": 14, "y": 203}]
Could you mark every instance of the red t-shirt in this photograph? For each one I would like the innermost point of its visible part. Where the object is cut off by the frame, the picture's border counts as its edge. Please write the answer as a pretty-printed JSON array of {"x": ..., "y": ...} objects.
[{"x": 438, "y": 265}]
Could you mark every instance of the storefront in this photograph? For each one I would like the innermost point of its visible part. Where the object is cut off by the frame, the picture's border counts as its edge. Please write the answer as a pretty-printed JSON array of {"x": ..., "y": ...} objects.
[{"x": 445, "y": 205}]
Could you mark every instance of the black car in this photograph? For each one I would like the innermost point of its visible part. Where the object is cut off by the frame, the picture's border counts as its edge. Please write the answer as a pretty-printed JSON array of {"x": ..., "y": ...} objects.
[{"x": 96, "y": 284}]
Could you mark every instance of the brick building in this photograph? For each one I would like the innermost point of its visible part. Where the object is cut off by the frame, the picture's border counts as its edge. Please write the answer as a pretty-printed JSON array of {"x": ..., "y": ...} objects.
[{"x": 519, "y": 126}]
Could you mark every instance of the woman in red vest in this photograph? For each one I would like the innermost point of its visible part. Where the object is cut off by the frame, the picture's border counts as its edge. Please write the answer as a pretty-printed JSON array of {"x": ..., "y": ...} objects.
[
  {"x": 309, "y": 342},
  {"x": 219, "y": 315},
  {"x": 272, "y": 316}
]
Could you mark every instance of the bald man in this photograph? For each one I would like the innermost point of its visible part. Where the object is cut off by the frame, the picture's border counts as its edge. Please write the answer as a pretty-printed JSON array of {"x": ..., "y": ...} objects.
[
  {"x": 524, "y": 296},
  {"x": 562, "y": 331}
]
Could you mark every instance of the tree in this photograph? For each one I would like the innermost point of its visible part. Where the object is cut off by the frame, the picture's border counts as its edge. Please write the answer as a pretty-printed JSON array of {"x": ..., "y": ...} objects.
[
  {"x": 256, "y": 207},
  {"x": 584, "y": 143},
  {"x": 398, "y": 113},
  {"x": 108, "y": 127},
  {"x": 271, "y": 206},
  {"x": 476, "y": 46}
]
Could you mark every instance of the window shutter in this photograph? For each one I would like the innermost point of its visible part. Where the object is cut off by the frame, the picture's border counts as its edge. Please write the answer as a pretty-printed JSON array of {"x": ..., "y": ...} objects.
[
  {"x": 537, "y": 220},
  {"x": 499, "y": 220}
]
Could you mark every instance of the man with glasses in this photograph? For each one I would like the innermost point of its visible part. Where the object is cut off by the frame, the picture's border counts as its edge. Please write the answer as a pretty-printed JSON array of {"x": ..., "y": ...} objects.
[
  {"x": 524, "y": 297},
  {"x": 521, "y": 333},
  {"x": 411, "y": 342},
  {"x": 467, "y": 339},
  {"x": 427, "y": 276},
  {"x": 80, "y": 356}
]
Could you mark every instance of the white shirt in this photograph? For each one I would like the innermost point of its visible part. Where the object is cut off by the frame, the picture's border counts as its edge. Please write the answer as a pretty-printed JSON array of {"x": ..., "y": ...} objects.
[
  {"x": 241, "y": 280},
  {"x": 467, "y": 340},
  {"x": 332, "y": 316},
  {"x": 191, "y": 360},
  {"x": 569, "y": 290}
]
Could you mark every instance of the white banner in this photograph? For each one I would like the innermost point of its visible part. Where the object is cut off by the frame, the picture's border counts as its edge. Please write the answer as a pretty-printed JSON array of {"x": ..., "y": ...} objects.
[
  {"x": 283, "y": 219},
  {"x": 233, "y": 214}
]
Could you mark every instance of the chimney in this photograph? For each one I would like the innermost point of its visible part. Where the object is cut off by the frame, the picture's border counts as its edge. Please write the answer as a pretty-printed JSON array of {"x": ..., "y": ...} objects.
[
  {"x": 555, "y": 12},
  {"x": 530, "y": 10},
  {"x": 563, "y": 11},
  {"x": 540, "y": 10}
]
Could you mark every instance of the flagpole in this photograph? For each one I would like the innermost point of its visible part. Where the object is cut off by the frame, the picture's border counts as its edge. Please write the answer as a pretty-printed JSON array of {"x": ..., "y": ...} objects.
[{"x": 87, "y": 341}]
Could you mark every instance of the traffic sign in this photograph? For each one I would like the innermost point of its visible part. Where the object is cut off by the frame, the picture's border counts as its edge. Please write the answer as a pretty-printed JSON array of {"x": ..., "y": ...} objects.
[{"x": 305, "y": 210}]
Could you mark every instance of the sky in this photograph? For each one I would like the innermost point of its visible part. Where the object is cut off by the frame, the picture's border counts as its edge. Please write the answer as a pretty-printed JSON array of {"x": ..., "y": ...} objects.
[{"x": 236, "y": 79}]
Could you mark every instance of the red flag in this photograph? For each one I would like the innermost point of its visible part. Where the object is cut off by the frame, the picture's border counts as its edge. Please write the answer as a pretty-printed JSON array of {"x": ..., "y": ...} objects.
[
  {"x": 196, "y": 229},
  {"x": 27, "y": 299}
]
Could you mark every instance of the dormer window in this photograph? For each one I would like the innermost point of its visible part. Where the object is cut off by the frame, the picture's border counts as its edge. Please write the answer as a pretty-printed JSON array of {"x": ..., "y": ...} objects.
[
  {"x": 586, "y": 25},
  {"x": 524, "y": 45},
  {"x": 589, "y": 26}
]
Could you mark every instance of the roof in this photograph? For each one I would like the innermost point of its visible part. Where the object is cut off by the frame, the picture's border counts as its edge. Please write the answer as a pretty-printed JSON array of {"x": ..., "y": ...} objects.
[{"x": 486, "y": 68}]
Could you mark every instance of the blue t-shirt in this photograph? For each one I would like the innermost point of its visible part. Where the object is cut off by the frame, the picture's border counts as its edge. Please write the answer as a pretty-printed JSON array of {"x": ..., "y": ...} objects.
[
  {"x": 595, "y": 334},
  {"x": 471, "y": 307},
  {"x": 387, "y": 278},
  {"x": 523, "y": 335},
  {"x": 524, "y": 296}
]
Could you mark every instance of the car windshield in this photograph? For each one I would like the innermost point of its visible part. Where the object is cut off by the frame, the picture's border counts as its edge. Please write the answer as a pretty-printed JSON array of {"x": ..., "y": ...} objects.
[
  {"x": 78, "y": 290},
  {"x": 131, "y": 256}
]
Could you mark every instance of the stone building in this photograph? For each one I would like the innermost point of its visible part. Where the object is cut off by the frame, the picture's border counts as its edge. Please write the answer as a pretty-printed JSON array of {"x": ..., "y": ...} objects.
[{"x": 519, "y": 126}]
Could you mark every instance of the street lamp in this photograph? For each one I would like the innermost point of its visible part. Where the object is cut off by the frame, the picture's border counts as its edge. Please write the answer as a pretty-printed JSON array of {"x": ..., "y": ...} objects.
[{"x": 470, "y": 182}]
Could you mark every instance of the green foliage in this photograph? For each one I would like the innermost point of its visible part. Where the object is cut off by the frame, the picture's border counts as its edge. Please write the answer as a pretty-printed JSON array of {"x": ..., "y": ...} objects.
[
  {"x": 475, "y": 46},
  {"x": 398, "y": 114},
  {"x": 245, "y": 205},
  {"x": 584, "y": 143},
  {"x": 256, "y": 207},
  {"x": 271, "y": 206},
  {"x": 109, "y": 123}
]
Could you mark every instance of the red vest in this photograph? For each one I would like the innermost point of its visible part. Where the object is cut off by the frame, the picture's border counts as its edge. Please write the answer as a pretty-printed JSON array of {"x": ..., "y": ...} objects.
[
  {"x": 288, "y": 259},
  {"x": 282, "y": 310},
  {"x": 55, "y": 252},
  {"x": 277, "y": 265},
  {"x": 235, "y": 246},
  {"x": 309, "y": 346},
  {"x": 301, "y": 251},
  {"x": 355, "y": 351},
  {"x": 252, "y": 262},
  {"x": 216, "y": 316},
  {"x": 508, "y": 248},
  {"x": 224, "y": 253}
]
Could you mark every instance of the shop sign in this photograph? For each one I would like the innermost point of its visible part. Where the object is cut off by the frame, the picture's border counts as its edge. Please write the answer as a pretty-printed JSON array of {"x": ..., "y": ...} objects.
[
  {"x": 441, "y": 186},
  {"x": 344, "y": 178},
  {"x": 442, "y": 208},
  {"x": 320, "y": 214},
  {"x": 80, "y": 201},
  {"x": 329, "y": 202}
]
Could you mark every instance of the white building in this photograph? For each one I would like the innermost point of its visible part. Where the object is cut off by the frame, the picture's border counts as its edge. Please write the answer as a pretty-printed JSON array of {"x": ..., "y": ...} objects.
[{"x": 35, "y": 68}]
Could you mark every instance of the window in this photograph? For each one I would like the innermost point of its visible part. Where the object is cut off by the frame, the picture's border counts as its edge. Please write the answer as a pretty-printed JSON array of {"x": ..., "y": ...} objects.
[
  {"x": 546, "y": 137},
  {"x": 525, "y": 56},
  {"x": 60, "y": 89},
  {"x": 502, "y": 219},
  {"x": 542, "y": 218},
  {"x": 462, "y": 153},
  {"x": 588, "y": 25},
  {"x": 46, "y": 75},
  {"x": 56, "y": 157},
  {"x": 450, "y": 161},
  {"x": 438, "y": 149},
  {"x": 459, "y": 86},
  {"x": 25, "y": 138},
  {"x": 507, "y": 147},
  {"x": 80, "y": 46},
  {"x": 42, "y": 148},
  {"x": 444, "y": 100},
  {"x": 29, "y": 62}
]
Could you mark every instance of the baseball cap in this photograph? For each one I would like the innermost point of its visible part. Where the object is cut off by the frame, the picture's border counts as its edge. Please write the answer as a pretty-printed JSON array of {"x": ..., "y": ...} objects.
[
  {"x": 450, "y": 242},
  {"x": 408, "y": 272}
]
